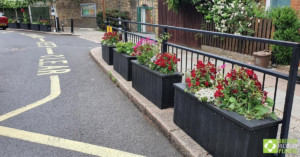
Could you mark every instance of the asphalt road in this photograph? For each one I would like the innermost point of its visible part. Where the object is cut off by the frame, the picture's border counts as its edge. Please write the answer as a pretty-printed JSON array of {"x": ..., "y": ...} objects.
[{"x": 88, "y": 108}]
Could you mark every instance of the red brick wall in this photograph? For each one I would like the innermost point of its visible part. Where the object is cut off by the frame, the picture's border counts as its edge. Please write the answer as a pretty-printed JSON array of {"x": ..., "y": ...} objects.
[{"x": 295, "y": 4}]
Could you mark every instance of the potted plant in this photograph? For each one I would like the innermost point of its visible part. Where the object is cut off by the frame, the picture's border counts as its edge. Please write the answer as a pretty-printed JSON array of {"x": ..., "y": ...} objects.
[
  {"x": 109, "y": 42},
  {"x": 123, "y": 54},
  {"x": 45, "y": 26},
  {"x": 153, "y": 74},
  {"x": 35, "y": 26},
  {"x": 227, "y": 116},
  {"x": 25, "y": 23}
]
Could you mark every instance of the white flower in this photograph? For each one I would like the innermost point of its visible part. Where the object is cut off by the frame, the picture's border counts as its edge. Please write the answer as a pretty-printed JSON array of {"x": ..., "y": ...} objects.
[
  {"x": 206, "y": 94},
  {"x": 258, "y": 20},
  {"x": 153, "y": 59},
  {"x": 243, "y": 8},
  {"x": 249, "y": 24},
  {"x": 232, "y": 5}
]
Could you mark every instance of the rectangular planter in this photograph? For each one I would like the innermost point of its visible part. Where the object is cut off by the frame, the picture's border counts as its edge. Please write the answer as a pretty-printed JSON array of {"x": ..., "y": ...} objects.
[
  {"x": 123, "y": 65},
  {"x": 14, "y": 25},
  {"x": 155, "y": 86},
  {"x": 25, "y": 26},
  {"x": 221, "y": 132},
  {"x": 45, "y": 28},
  {"x": 108, "y": 54},
  {"x": 35, "y": 27}
]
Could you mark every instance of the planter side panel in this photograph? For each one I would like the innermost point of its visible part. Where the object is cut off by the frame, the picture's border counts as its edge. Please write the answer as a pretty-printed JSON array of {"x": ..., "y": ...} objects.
[
  {"x": 123, "y": 65},
  {"x": 159, "y": 90},
  {"x": 45, "y": 28},
  {"x": 35, "y": 27},
  {"x": 107, "y": 54},
  {"x": 214, "y": 132}
]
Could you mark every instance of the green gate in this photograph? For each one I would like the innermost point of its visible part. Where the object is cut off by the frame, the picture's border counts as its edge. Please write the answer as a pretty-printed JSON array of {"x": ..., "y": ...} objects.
[{"x": 40, "y": 13}]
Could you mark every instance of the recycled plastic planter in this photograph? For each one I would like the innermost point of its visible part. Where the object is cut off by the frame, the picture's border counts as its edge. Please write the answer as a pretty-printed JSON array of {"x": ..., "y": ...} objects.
[
  {"x": 108, "y": 54},
  {"x": 262, "y": 58},
  {"x": 35, "y": 27},
  {"x": 45, "y": 28},
  {"x": 122, "y": 64},
  {"x": 14, "y": 25},
  {"x": 25, "y": 26},
  {"x": 221, "y": 132},
  {"x": 155, "y": 86}
]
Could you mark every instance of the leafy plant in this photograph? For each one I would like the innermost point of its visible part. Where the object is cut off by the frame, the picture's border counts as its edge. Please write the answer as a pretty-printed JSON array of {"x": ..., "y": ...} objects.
[
  {"x": 165, "y": 63},
  {"x": 44, "y": 22},
  {"x": 145, "y": 50},
  {"x": 111, "y": 13},
  {"x": 25, "y": 17},
  {"x": 10, "y": 20},
  {"x": 286, "y": 24},
  {"x": 240, "y": 91},
  {"x": 110, "y": 39},
  {"x": 202, "y": 76},
  {"x": 125, "y": 47}
]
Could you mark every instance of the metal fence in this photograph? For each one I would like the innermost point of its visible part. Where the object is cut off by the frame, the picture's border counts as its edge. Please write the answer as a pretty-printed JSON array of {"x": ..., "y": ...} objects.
[{"x": 188, "y": 57}]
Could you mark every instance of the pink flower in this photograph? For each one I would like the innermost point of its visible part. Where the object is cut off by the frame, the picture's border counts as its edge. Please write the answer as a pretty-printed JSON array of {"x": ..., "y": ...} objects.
[{"x": 223, "y": 66}]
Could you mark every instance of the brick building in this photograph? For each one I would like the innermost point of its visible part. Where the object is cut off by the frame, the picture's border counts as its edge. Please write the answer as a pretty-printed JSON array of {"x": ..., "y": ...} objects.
[{"x": 277, "y": 3}]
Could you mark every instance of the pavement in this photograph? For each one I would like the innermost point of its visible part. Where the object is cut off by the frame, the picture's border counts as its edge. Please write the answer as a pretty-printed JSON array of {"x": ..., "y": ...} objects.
[{"x": 55, "y": 101}]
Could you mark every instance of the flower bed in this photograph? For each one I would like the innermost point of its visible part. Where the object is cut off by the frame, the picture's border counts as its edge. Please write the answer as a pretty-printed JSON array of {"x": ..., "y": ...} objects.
[
  {"x": 227, "y": 115},
  {"x": 153, "y": 74}
]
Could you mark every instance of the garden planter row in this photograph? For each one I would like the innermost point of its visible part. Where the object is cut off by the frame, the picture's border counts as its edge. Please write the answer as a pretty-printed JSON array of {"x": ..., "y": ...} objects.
[
  {"x": 221, "y": 132},
  {"x": 36, "y": 27},
  {"x": 122, "y": 64}
]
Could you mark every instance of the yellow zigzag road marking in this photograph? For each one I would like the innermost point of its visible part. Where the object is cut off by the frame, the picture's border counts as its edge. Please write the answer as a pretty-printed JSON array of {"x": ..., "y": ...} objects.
[
  {"x": 63, "y": 143},
  {"x": 55, "y": 92}
]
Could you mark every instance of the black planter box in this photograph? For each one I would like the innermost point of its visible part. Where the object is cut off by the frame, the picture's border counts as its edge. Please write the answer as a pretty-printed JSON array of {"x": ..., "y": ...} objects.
[
  {"x": 45, "y": 28},
  {"x": 123, "y": 65},
  {"x": 14, "y": 25},
  {"x": 221, "y": 132},
  {"x": 155, "y": 86},
  {"x": 35, "y": 27},
  {"x": 25, "y": 26},
  {"x": 108, "y": 54}
]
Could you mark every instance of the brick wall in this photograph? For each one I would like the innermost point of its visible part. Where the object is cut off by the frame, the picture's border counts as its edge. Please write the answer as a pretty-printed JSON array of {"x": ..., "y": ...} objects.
[
  {"x": 295, "y": 4},
  {"x": 68, "y": 9}
]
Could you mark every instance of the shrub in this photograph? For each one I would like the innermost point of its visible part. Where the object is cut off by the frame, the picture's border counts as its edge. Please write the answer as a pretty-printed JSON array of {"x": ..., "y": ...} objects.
[
  {"x": 110, "y": 39},
  {"x": 125, "y": 47},
  {"x": 111, "y": 13},
  {"x": 286, "y": 24}
]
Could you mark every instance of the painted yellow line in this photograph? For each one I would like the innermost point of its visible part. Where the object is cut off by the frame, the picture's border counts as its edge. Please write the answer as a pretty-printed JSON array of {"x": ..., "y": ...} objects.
[
  {"x": 54, "y": 93},
  {"x": 63, "y": 143},
  {"x": 41, "y": 39},
  {"x": 49, "y": 51}
]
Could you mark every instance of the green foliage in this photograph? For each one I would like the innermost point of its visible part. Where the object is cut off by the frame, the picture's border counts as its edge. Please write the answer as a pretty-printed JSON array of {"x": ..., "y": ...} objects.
[
  {"x": 125, "y": 47},
  {"x": 25, "y": 18},
  {"x": 13, "y": 4},
  {"x": 111, "y": 13},
  {"x": 145, "y": 50},
  {"x": 286, "y": 24}
]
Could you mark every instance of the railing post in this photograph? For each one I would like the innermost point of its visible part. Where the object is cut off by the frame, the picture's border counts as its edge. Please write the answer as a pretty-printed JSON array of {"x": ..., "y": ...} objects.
[
  {"x": 163, "y": 44},
  {"x": 290, "y": 95},
  {"x": 125, "y": 32},
  {"x": 72, "y": 26}
]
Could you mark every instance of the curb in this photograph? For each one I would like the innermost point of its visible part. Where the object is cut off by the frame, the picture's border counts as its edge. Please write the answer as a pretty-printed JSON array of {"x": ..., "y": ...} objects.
[
  {"x": 163, "y": 119},
  {"x": 54, "y": 33}
]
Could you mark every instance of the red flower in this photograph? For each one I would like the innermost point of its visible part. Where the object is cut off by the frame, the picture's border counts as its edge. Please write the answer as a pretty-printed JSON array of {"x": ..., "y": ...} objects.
[
  {"x": 190, "y": 84},
  {"x": 22, "y": 10},
  {"x": 229, "y": 75},
  {"x": 219, "y": 86},
  {"x": 206, "y": 83},
  {"x": 197, "y": 83},
  {"x": 218, "y": 93},
  {"x": 213, "y": 70},
  {"x": 249, "y": 72},
  {"x": 212, "y": 77},
  {"x": 170, "y": 67},
  {"x": 234, "y": 91},
  {"x": 188, "y": 80},
  {"x": 193, "y": 73}
]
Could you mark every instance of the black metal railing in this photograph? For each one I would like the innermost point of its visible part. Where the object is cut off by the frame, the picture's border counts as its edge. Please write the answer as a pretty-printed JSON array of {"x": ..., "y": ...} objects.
[{"x": 189, "y": 56}]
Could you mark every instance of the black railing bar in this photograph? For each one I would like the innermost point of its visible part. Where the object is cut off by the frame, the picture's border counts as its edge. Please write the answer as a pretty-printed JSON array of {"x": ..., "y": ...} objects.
[
  {"x": 247, "y": 38},
  {"x": 141, "y": 36},
  {"x": 253, "y": 67},
  {"x": 275, "y": 93},
  {"x": 263, "y": 85}
]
